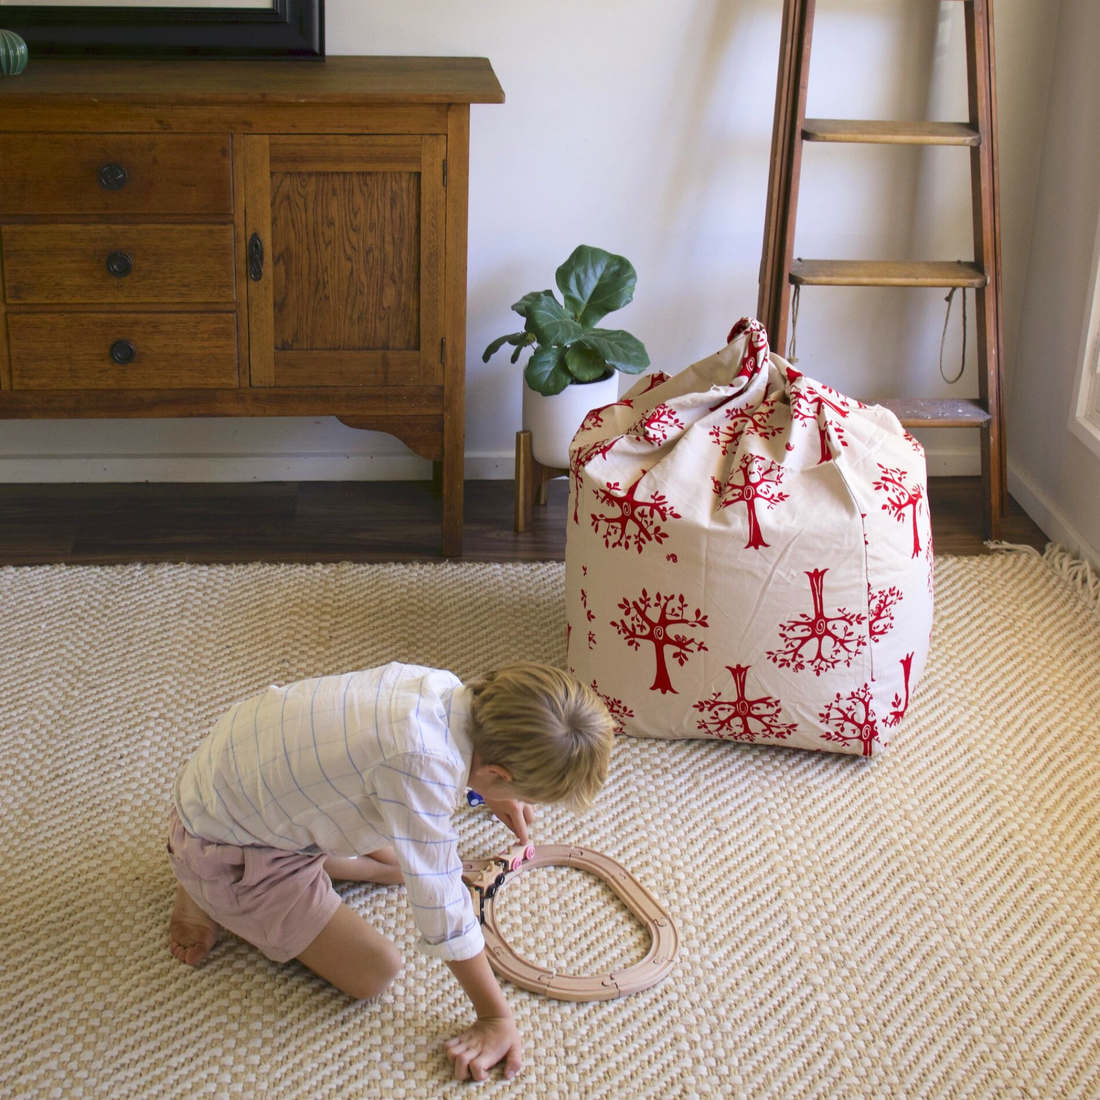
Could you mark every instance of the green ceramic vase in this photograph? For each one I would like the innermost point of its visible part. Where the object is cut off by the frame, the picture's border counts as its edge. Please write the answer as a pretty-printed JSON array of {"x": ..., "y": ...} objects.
[{"x": 13, "y": 53}]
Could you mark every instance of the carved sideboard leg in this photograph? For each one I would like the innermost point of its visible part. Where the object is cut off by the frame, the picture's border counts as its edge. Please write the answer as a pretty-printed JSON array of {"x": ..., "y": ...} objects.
[{"x": 453, "y": 474}]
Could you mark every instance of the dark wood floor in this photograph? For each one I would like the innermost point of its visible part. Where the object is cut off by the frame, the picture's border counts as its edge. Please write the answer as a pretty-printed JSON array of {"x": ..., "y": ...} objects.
[{"x": 340, "y": 521}]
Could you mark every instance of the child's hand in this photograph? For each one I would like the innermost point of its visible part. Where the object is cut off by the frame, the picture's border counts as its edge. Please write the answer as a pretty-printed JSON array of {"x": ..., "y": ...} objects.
[
  {"x": 516, "y": 815},
  {"x": 478, "y": 1049}
]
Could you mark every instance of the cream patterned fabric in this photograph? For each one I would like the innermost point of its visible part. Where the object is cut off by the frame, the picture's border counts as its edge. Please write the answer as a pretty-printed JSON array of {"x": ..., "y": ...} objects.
[
  {"x": 922, "y": 924},
  {"x": 749, "y": 557}
]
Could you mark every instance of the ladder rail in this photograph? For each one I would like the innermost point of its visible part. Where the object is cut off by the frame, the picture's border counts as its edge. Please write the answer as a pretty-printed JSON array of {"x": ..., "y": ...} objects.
[
  {"x": 995, "y": 272},
  {"x": 773, "y": 303},
  {"x": 977, "y": 18}
]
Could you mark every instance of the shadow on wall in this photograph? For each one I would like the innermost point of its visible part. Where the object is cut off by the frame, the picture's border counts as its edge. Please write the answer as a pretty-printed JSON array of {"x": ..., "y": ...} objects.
[
  {"x": 712, "y": 147},
  {"x": 673, "y": 139}
]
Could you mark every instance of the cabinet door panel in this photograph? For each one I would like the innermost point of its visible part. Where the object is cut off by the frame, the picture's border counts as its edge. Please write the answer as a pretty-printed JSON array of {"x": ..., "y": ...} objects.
[
  {"x": 357, "y": 282},
  {"x": 352, "y": 282}
]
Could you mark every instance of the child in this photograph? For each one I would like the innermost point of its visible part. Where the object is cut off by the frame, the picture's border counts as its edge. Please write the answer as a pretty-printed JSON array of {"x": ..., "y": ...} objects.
[{"x": 356, "y": 777}]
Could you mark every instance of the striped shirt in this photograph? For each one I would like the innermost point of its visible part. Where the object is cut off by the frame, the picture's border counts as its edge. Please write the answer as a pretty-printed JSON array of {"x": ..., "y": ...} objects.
[{"x": 346, "y": 765}]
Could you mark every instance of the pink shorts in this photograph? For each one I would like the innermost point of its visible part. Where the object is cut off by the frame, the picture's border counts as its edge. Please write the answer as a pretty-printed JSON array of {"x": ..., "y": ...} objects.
[{"x": 279, "y": 901}]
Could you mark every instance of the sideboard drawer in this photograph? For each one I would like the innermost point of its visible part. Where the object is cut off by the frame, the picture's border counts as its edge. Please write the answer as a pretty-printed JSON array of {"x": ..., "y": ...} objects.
[
  {"x": 117, "y": 264},
  {"x": 115, "y": 174},
  {"x": 122, "y": 351}
]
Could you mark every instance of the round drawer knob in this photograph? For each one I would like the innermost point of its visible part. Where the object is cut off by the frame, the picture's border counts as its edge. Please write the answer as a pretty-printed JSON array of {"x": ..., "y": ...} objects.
[
  {"x": 119, "y": 264},
  {"x": 112, "y": 176},
  {"x": 123, "y": 352}
]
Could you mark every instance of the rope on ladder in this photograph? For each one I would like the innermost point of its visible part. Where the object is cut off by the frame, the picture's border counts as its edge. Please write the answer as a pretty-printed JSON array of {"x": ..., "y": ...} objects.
[
  {"x": 792, "y": 344},
  {"x": 943, "y": 338}
]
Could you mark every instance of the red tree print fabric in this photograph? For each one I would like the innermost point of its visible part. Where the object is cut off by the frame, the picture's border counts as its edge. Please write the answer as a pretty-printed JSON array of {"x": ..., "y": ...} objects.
[
  {"x": 755, "y": 481},
  {"x": 742, "y": 718},
  {"x": 852, "y": 720},
  {"x": 808, "y": 402},
  {"x": 651, "y": 382},
  {"x": 631, "y": 521},
  {"x": 595, "y": 417},
  {"x": 755, "y": 357},
  {"x": 615, "y": 707},
  {"x": 579, "y": 459},
  {"x": 900, "y": 705},
  {"x": 902, "y": 501},
  {"x": 793, "y": 517},
  {"x": 652, "y": 619},
  {"x": 756, "y": 421},
  {"x": 653, "y": 427},
  {"x": 881, "y": 604},
  {"x": 818, "y": 641},
  {"x": 589, "y": 614}
]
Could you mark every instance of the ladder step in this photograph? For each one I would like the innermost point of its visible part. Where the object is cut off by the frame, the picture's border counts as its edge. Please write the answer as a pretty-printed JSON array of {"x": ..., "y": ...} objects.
[
  {"x": 921, "y": 412},
  {"x": 887, "y": 273},
  {"x": 890, "y": 133}
]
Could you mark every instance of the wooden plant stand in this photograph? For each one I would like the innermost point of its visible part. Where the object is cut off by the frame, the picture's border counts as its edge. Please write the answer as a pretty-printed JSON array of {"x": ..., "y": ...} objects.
[{"x": 531, "y": 479}]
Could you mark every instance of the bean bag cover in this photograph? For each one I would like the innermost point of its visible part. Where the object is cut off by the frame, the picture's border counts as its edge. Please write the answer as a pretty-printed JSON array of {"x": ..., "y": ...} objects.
[{"x": 749, "y": 557}]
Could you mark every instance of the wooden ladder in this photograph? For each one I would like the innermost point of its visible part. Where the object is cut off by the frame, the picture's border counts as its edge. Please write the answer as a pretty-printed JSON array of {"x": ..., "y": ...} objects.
[{"x": 779, "y": 270}]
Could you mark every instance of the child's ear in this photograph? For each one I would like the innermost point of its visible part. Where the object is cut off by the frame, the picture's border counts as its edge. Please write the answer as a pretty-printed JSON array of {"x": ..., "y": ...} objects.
[{"x": 500, "y": 772}]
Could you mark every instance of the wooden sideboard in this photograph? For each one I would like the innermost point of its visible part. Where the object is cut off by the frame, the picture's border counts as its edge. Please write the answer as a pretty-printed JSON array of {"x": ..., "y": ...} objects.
[{"x": 258, "y": 238}]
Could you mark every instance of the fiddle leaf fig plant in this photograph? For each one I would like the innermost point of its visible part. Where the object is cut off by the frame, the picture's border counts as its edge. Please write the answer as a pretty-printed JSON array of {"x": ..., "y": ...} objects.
[{"x": 568, "y": 347}]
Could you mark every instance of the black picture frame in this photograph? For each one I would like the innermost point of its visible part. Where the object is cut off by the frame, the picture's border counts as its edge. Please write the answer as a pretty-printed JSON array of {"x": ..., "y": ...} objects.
[{"x": 290, "y": 29}]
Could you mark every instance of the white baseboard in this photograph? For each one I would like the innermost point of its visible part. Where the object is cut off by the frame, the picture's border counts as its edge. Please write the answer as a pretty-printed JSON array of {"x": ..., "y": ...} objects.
[
  {"x": 274, "y": 465},
  {"x": 1049, "y": 516}
]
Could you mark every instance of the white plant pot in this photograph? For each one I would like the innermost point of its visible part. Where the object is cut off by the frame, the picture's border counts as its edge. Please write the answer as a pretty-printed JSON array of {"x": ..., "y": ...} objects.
[{"x": 553, "y": 421}]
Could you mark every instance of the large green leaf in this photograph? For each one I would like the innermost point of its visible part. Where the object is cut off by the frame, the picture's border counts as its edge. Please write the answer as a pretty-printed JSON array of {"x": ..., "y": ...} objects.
[
  {"x": 594, "y": 282},
  {"x": 623, "y": 351},
  {"x": 526, "y": 342},
  {"x": 545, "y": 371},
  {"x": 547, "y": 318},
  {"x": 584, "y": 364},
  {"x": 516, "y": 338},
  {"x": 523, "y": 306}
]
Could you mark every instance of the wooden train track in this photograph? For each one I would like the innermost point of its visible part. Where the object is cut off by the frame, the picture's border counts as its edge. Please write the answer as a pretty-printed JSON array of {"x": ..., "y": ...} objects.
[{"x": 485, "y": 878}]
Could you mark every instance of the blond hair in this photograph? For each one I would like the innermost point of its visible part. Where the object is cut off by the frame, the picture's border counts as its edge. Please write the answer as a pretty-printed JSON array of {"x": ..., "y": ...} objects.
[{"x": 552, "y": 732}]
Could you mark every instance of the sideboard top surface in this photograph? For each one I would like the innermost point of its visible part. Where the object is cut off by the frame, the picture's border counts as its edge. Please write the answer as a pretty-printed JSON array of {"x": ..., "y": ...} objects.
[{"x": 352, "y": 80}]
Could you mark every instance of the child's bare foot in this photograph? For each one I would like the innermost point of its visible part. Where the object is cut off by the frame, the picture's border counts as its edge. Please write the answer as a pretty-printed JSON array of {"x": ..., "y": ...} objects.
[{"x": 191, "y": 932}]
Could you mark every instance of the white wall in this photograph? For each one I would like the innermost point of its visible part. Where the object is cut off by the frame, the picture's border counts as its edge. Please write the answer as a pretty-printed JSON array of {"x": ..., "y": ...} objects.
[
  {"x": 644, "y": 127},
  {"x": 1051, "y": 472}
]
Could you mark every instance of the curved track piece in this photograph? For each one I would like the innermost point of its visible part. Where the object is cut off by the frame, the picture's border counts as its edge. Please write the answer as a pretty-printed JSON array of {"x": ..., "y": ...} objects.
[{"x": 484, "y": 882}]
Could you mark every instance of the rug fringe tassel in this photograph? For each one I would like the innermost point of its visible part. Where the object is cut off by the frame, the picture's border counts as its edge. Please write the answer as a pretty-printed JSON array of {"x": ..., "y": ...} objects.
[
  {"x": 1076, "y": 571},
  {"x": 1011, "y": 547}
]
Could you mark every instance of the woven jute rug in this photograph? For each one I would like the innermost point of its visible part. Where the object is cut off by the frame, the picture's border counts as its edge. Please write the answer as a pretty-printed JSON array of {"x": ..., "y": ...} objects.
[{"x": 924, "y": 924}]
